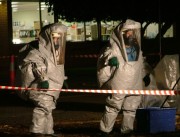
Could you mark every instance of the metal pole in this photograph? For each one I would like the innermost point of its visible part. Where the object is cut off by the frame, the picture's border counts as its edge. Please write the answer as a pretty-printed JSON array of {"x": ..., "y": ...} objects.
[
  {"x": 168, "y": 96},
  {"x": 84, "y": 31},
  {"x": 40, "y": 16},
  {"x": 159, "y": 28}
]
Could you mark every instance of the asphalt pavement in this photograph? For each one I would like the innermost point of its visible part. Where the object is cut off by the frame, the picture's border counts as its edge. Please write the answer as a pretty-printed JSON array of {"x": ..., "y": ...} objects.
[{"x": 76, "y": 115}]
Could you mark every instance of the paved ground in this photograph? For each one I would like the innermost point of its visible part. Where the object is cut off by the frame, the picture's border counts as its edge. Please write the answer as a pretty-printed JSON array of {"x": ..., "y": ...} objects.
[{"x": 77, "y": 115}]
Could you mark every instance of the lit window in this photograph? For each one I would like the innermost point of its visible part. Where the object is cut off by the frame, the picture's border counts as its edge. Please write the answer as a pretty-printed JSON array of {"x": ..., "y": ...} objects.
[{"x": 26, "y": 20}]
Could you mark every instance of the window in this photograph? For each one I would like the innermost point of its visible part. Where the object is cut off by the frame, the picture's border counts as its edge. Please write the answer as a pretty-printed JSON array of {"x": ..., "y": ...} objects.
[
  {"x": 88, "y": 31},
  {"x": 81, "y": 31},
  {"x": 26, "y": 20},
  {"x": 153, "y": 29},
  {"x": 107, "y": 28},
  {"x": 27, "y": 23}
]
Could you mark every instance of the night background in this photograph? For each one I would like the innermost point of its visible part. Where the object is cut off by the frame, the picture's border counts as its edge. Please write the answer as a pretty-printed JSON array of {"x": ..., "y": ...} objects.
[{"x": 78, "y": 114}]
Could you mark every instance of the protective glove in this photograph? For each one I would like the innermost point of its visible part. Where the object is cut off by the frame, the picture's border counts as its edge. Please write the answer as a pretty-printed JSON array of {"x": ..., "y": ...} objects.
[
  {"x": 147, "y": 80},
  {"x": 113, "y": 62},
  {"x": 44, "y": 85}
]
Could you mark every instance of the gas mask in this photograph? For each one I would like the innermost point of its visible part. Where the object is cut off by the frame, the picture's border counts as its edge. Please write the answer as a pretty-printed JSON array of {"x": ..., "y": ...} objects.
[
  {"x": 56, "y": 43},
  {"x": 56, "y": 46},
  {"x": 131, "y": 40},
  {"x": 56, "y": 40},
  {"x": 131, "y": 43}
]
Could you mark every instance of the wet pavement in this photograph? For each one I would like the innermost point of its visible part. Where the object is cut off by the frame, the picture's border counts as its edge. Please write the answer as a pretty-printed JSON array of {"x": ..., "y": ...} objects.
[{"x": 76, "y": 115}]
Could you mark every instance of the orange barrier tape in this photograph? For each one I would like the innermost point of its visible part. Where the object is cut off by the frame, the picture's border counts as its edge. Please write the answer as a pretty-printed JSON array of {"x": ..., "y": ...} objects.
[
  {"x": 85, "y": 56},
  {"x": 6, "y": 57},
  {"x": 131, "y": 92}
]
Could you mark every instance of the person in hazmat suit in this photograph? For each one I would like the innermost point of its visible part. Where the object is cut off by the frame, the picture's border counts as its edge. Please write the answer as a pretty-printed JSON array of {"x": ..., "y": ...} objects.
[
  {"x": 42, "y": 68},
  {"x": 120, "y": 67}
]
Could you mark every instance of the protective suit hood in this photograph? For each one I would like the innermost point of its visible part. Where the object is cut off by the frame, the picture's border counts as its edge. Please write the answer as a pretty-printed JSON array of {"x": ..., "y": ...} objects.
[
  {"x": 46, "y": 32},
  {"x": 119, "y": 32},
  {"x": 46, "y": 40}
]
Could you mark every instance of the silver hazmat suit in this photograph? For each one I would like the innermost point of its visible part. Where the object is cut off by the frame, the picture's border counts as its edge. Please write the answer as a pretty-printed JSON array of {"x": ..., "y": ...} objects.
[
  {"x": 128, "y": 75},
  {"x": 41, "y": 64},
  {"x": 164, "y": 76}
]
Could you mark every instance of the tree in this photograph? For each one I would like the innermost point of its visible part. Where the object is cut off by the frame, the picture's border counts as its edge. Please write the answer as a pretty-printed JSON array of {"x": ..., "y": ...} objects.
[
  {"x": 87, "y": 10},
  {"x": 152, "y": 11}
]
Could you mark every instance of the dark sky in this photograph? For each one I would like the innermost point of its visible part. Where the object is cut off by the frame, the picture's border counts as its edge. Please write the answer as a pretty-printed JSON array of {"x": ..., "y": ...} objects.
[{"x": 153, "y": 10}]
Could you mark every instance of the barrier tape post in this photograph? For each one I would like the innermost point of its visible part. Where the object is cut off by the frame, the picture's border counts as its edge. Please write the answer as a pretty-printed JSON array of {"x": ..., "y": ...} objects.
[{"x": 12, "y": 72}]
